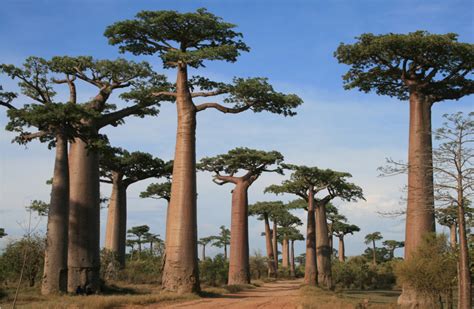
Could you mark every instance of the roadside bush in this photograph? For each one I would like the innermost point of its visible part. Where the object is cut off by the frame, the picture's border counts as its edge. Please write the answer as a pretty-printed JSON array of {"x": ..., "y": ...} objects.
[
  {"x": 11, "y": 261},
  {"x": 214, "y": 272},
  {"x": 147, "y": 269},
  {"x": 258, "y": 266},
  {"x": 432, "y": 268}
]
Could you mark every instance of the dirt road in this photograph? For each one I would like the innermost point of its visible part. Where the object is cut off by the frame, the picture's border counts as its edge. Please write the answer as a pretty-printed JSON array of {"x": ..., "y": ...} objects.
[{"x": 276, "y": 295}]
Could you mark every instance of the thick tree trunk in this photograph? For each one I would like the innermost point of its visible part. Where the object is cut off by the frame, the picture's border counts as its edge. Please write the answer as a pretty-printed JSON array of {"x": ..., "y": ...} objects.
[
  {"x": 55, "y": 260},
  {"x": 180, "y": 272},
  {"x": 239, "y": 267},
  {"x": 374, "y": 256},
  {"x": 285, "y": 248},
  {"x": 275, "y": 244},
  {"x": 268, "y": 242},
  {"x": 464, "y": 280},
  {"x": 310, "y": 270},
  {"x": 453, "y": 235},
  {"x": 420, "y": 204},
  {"x": 342, "y": 252},
  {"x": 116, "y": 230},
  {"x": 323, "y": 251},
  {"x": 84, "y": 218},
  {"x": 292, "y": 260}
]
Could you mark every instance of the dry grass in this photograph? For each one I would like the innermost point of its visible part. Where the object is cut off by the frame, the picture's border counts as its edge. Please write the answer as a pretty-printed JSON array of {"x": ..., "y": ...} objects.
[{"x": 316, "y": 298}]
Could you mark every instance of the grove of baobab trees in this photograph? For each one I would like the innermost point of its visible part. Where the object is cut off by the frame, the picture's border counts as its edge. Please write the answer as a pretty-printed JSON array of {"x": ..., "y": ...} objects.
[{"x": 420, "y": 67}]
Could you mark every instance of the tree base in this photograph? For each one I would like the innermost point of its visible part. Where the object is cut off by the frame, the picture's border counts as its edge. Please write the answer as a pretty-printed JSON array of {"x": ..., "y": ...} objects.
[
  {"x": 51, "y": 285},
  {"x": 180, "y": 282},
  {"x": 410, "y": 299},
  {"x": 83, "y": 280}
]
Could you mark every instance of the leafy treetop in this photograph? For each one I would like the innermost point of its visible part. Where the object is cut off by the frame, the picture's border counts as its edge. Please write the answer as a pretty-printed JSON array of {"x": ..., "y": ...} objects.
[
  {"x": 130, "y": 167},
  {"x": 373, "y": 237},
  {"x": 305, "y": 178},
  {"x": 252, "y": 162},
  {"x": 223, "y": 239},
  {"x": 340, "y": 229},
  {"x": 158, "y": 191},
  {"x": 262, "y": 209},
  {"x": 436, "y": 65}
]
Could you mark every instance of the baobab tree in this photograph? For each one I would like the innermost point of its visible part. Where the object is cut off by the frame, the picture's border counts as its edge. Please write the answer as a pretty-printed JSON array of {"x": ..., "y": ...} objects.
[
  {"x": 287, "y": 224},
  {"x": 264, "y": 211},
  {"x": 56, "y": 123},
  {"x": 156, "y": 243},
  {"x": 454, "y": 171},
  {"x": 185, "y": 40},
  {"x": 341, "y": 229},
  {"x": 106, "y": 76},
  {"x": 122, "y": 169},
  {"x": 333, "y": 216},
  {"x": 204, "y": 241},
  {"x": 371, "y": 239},
  {"x": 140, "y": 232},
  {"x": 222, "y": 240},
  {"x": 242, "y": 167},
  {"x": 293, "y": 235},
  {"x": 392, "y": 245},
  {"x": 306, "y": 182},
  {"x": 423, "y": 68}
]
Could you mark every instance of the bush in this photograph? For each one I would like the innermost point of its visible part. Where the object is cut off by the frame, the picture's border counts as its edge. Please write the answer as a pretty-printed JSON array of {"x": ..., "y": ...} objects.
[
  {"x": 148, "y": 269},
  {"x": 11, "y": 261},
  {"x": 214, "y": 272},
  {"x": 258, "y": 266},
  {"x": 359, "y": 273},
  {"x": 432, "y": 268}
]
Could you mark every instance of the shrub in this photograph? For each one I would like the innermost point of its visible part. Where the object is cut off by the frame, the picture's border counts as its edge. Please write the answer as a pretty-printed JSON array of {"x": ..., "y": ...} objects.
[
  {"x": 431, "y": 270},
  {"x": 258, "y": 266},
  {"x": 148, "y": 269},
  {"x": 214, "y": 272}
]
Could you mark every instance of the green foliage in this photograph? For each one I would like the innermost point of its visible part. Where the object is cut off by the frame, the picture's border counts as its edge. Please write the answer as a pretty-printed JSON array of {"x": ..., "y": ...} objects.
[
  {"x": 392, "y": 245},
  {"x": 260, "y": 209},
  {"x": 176, "y": 37},
  {"x": 28, "y": 249},
  {"x": 148, "y": 269},
  {"x": 132, "y": 167},
  {"x": 381, "y": 254},
  {"x": 431, "y": 270},
  {"x": 304, "y": 177},
  {"x": 436, "y": 65},
  {"x": 3, "y": 233},
  {"x": 357, "y": 273},
  {"x": 203, "y": 241},
  {"x": 253, "y": 162},
  {"x": 214, "y": 272},
  {"x": 340, "y": 229},
  {"x": 39, "y": 207},
  {"x": 258, "y": 266},
  {"x": 158, "y": 191},
  {"x": 223, "y": 239},
  {"x": 369, "y": 238}
]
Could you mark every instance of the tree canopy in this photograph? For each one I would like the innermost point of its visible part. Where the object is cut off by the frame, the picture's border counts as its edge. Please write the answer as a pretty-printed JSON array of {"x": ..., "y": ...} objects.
[
  {"x": 436, "y": 65},
  {"x": 262, "y": 209},
  {"x": 340, "y": 229}
]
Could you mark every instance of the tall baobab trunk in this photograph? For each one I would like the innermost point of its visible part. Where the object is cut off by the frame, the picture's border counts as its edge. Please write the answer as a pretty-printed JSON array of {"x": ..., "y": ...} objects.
[
  {"x": 420, "y": 204},
  {"x": 285, "y": 248},
  {"x": 225, "y": 252},
  {"x": 84, "y": 218},
  {"x": 342, "y": 257},
  {"x": 239, "y": 267},
  {"x": 268, "y": 242},
  {"x": 374, "y": 255},
  {"x": 453, "y": 235},
  {"x": 55, "y": 260},
  {"x": 275, "y": 244},
  {"x": 203, "y": 252},
  {"x": 292, "y": 259},
  {"x": 180, "y": 272},
  {"x": 116, "y": 231},
  {"x": 464, "y": 281},
  {"x": 323, "y": 251},
  {"x": 310, "y": 270}
]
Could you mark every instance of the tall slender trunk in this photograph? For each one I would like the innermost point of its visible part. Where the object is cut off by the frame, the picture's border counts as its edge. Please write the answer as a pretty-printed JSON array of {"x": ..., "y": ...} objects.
[
  {"x": 292, "y": 259},
  {"x": 268, "y": 242},
  {"x": 203, "y": 252},
  {"x": 55, "y": 260},
  {"x": 239, "y": 267},
  {"x": 464, "y": 274},
  {"x": 323, "y": 250},
  {"x": 225, "y": 252},
  {"x": 420, "y": 203},
  {"x": 342, "y": 249},
  {"x": 453, "y": 235},
  {"x": 310, "y": 270},
  {"x": 374, "y": 256},
  {"x": 116, "y": 230},
  {"x": 180, "y": 272},
  {"x": 84, "y": 218},
  {"x": 275, "y": 244},
  {"x": 285, "y": 248}
]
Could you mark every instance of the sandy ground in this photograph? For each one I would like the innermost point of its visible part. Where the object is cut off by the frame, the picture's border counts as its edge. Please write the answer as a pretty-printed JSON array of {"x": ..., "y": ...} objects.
[{"x": 275, "y": 295}]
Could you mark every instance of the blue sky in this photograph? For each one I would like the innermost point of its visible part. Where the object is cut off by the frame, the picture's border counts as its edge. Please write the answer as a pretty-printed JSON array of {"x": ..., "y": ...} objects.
[{"x": 292, "y": 43}]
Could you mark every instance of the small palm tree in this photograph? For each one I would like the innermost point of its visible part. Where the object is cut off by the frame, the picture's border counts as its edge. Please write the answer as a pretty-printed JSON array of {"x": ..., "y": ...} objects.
[
  {"x": 203, "y": 242},
  {"x": 371, "y": 238}
]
